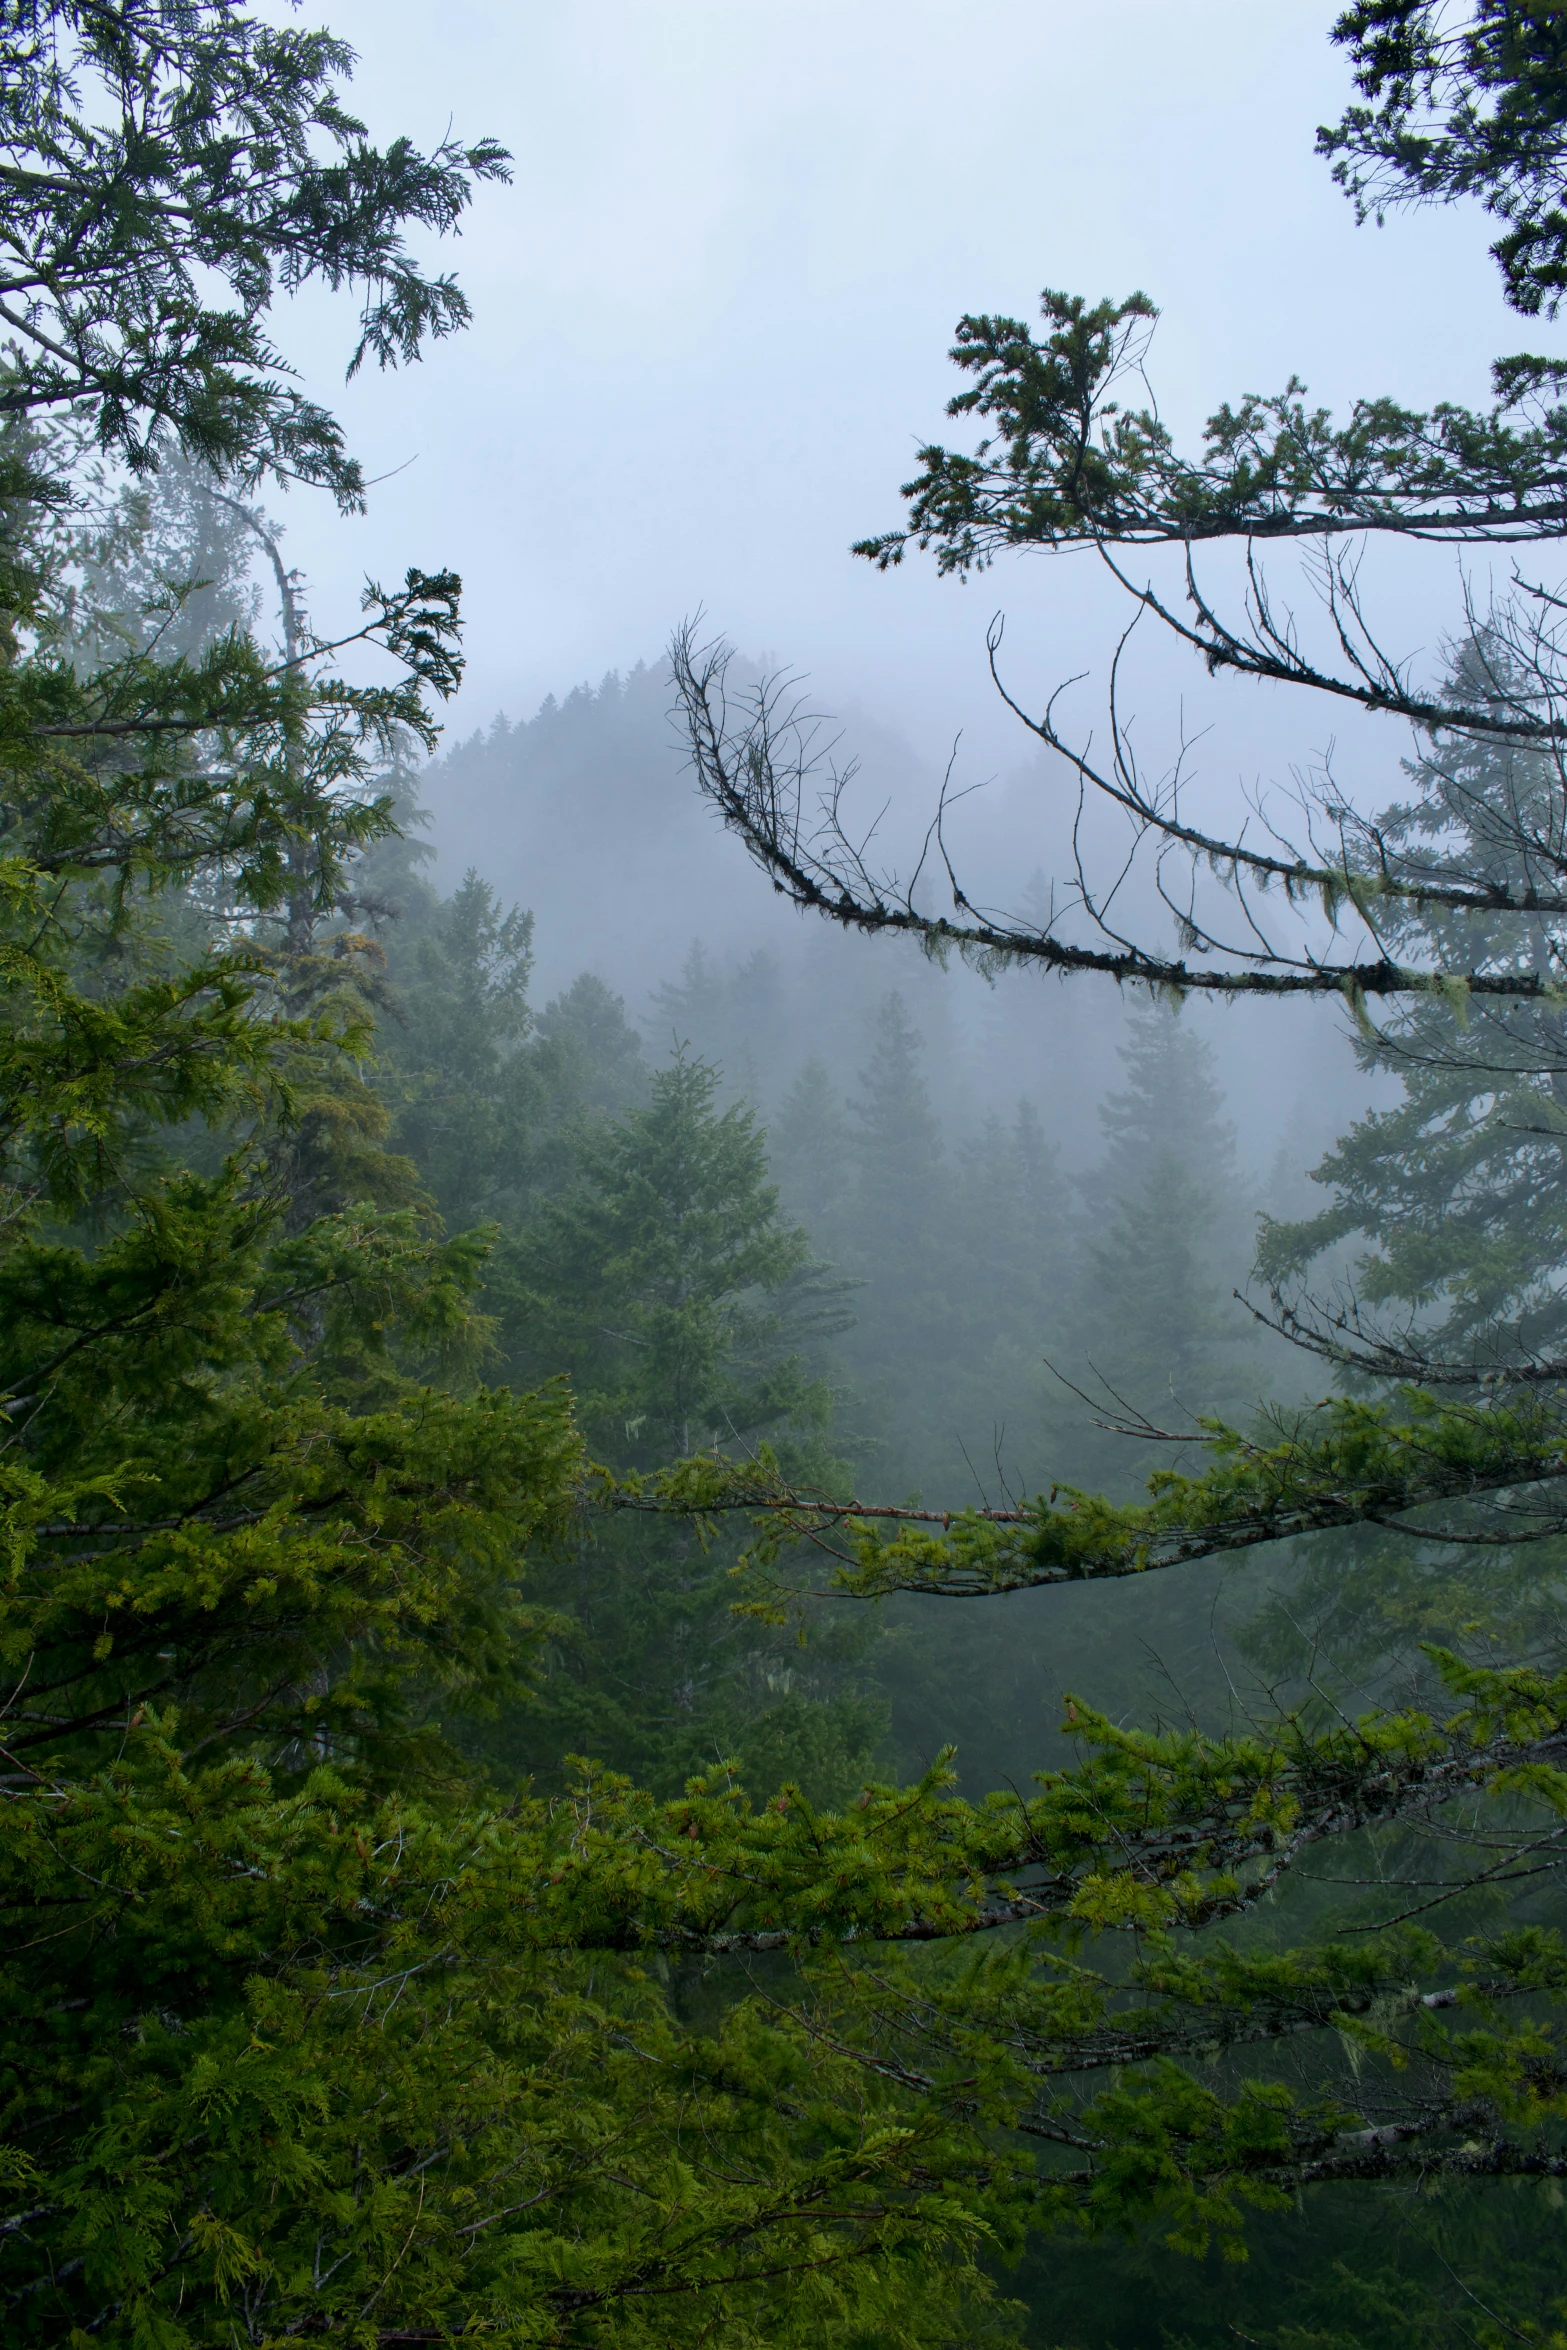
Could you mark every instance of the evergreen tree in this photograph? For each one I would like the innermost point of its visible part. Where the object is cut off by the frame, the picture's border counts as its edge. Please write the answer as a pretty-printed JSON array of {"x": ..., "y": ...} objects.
[
  {"x": 655, "y": 1277},
  {"x": 1015, "y": 1243},
  {"x": 898, "y": 1240},
  {"x": 898, "y": 1144},
  {"x": 468, "y": 1098},
  {"x": 299, "y": 2034},
  {"x": 1153, "y": 1322},
  {"x": 810, "y": 1149},
  {"x": 168, "y": 559},
  {"x": 593, "y": 1054},
  {"x": 1171, "y": 1106},
  {"x": 733, "y": 1019},
  {"x": 261, "y": 1531},
  {"x": 666, "y": 1282},
  {"x": 1444, "y": 1242},
  {"x": 1459, "y": 1190}
]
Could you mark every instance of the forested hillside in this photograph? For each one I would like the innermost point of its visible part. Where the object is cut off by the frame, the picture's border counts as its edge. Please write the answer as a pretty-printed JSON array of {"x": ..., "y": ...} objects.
[{"x": 677, "y": 1669}]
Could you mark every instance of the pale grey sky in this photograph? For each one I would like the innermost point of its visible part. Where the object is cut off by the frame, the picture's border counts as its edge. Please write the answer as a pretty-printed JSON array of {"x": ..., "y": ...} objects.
[
  {"x": 712, "y": 312},
  {"x": 711, "y": 324}
]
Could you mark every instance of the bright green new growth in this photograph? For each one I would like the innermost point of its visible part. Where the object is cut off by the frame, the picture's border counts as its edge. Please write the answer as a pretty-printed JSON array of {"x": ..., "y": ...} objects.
[{"x": 308, "y": 2028}]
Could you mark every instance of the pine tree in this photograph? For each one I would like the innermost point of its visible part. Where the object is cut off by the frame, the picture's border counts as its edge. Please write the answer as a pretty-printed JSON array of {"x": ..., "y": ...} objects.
[
  {"x": 1445, "y": 1237},
  {"x": 167, "y": 560},
  {"x": 1014, "y": 1235},
  {"x": 733, "y": 1019},
  {"x": 898, "y": 1241},
  {"x": 593, "y": 1054},
  {"x": 898, "y": 1146},
  {"x": 301, "y": 2034},
  {"x": 276, "y": 2046},
  {"x": 1459, "y": 1191}
]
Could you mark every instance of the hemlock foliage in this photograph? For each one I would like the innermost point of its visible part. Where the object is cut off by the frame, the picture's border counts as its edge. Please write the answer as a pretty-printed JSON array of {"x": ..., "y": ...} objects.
[{"x": 393, "y": 1377}]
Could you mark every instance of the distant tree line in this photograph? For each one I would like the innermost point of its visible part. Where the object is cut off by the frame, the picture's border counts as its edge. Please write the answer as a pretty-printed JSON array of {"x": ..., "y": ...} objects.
[{"x": 462, "y": 1874}]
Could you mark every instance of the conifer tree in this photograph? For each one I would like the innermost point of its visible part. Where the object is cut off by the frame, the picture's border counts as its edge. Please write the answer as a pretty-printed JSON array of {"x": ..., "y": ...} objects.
[
  {"x": 1153, "y": 1321},
  {"x": 469, "y": 1101},
  {"x": 594, "y": 1055},
  {"x": 899, "y": 1241},
  {"x": 268, "y": 2066},
  {"x": 809, "y": 1149},
  {"x": 686, "y": 1310},
  {"x": 898, "y": 1146},
  {"x": 1442, "y": 1245},
  {"x": 301, "y": 2033},
  {"x": 1453, "y": 102},
  {"x": 1459, "y": 1190}
]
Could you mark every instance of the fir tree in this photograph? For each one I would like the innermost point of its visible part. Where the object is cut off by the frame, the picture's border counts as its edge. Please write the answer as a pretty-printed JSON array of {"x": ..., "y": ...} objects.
[
  {"x": 1459, "y": 1190},
  {"x": 899, "y": 1242},
  {"x": 592, "y": 1053},
  {"x": 666, "y": 1282},
  {"x": 1444, "y": 1241},
  {"x": 468, "y": 1098},
  {"x": 300, "y": 2035},
  {"x": 1014, "y": 1238},
  {"x": 809, "y": 1148},
  {"x": 1153, "y": 1322},
  {"x": 898, "y": 1144}
]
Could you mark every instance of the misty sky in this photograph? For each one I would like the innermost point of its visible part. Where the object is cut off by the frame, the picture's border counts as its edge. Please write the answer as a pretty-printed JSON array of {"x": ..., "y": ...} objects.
[{"x": 712, "y": 311}]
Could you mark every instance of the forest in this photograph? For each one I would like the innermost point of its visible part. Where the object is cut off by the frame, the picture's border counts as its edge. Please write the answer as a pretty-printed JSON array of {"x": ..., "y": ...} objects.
[{"x": 841, "y": 1633}]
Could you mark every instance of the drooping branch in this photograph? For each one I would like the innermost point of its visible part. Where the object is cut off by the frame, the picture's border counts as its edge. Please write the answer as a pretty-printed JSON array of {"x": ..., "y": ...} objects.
[
  {"x": 763, "y": 760},
  {"x": 1339, "y": 1331},
  {"x": 1520, "y": 698},
  {"x": 1065, "y": 463}
]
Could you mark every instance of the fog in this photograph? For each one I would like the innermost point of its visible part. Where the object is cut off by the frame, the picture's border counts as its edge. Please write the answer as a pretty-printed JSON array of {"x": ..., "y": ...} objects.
[
  {"x": 942, "y": 1560},
  {"x": 711, "y": 318},
  {"x": 711, "y": 322},
  {"x": 711, "y": 314}
]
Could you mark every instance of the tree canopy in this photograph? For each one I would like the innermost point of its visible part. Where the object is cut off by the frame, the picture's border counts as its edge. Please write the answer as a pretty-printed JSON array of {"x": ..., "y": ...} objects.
[{"x": 318, "y": 2016}]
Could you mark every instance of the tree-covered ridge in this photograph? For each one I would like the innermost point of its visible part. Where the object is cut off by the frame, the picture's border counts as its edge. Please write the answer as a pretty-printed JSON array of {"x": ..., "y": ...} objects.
[
  {"x": 353, "y": 1313},
  {"x": 1312, "y": 900}
]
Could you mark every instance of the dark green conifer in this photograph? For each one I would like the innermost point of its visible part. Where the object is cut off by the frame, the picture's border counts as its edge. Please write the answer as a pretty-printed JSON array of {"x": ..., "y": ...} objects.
[
  {"x": 666, "y": 1282},
  {"x": 469, "y": 1101}
]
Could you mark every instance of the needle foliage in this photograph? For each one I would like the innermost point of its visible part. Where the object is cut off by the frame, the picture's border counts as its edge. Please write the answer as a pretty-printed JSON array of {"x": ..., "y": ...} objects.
[{"x": 310, "y": 2025}]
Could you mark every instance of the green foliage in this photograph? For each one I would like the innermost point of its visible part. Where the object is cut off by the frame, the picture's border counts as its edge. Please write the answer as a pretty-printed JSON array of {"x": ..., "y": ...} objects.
[
  {"x": 1441, "y": 1501},
  {"x": 1068, "y": 464},
  {"x": 467, "y": 1100},
  {"x": 314, "y": 2059},
  {"x": 315, "y": 2016},
  {"x": 664, "y": 1279},
  {"x": 159, "y": 153},
  {"x": 1472, "y": 108},
  {"x": 355, "y": 2061},
  {"x": 1152, "y": 1323},
  {"x": 1457, "y": 1189},
  {"x": 234, "y": 1494},
  {"x": 1344, "y": 1462},
  {"x": 1462, "y": 102},
  {"x": 659, "y": 1277}
]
